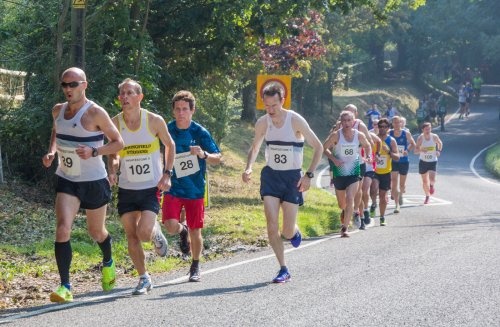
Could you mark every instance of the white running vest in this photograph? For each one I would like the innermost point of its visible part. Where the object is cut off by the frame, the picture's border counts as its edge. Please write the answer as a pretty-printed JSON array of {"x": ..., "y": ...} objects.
[
  {"x": 140, "y": 158},
  {"x": 430, "y": 148},
  {"x": 284, "y": 151},
  {"x": 69, "y": 135}
]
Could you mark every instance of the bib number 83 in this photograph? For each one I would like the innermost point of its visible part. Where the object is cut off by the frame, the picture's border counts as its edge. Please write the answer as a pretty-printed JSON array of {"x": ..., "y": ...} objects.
[{"x": 280, "y": 159}]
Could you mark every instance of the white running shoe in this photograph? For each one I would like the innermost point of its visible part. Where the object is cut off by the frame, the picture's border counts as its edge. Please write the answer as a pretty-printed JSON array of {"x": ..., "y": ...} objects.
[
  {"x": 143, "y": 287},
  {"x": 160, "y": 241}
]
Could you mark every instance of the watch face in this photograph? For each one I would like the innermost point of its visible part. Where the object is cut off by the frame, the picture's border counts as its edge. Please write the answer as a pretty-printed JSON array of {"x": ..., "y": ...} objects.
[{"x": 310, "y": 175}]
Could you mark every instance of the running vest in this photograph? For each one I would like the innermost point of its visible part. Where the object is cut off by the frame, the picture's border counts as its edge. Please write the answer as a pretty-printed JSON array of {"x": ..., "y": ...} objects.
[
  {"x": 384, "y": 161},
  {"x": 284, "y": 151},
  {"x": 140, "y": 158},
  {"x": 69, "y": 135},
  {"x": 348, "y": 152},
  {"x": 430, "y": 147},
  {"x": 402, "y": 143}
]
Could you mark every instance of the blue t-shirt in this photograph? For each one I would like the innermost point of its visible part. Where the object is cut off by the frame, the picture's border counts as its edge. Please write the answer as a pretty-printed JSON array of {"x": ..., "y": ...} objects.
[
  {"x": 191, "y": 186},
  {"x": 402, "y": 143}
]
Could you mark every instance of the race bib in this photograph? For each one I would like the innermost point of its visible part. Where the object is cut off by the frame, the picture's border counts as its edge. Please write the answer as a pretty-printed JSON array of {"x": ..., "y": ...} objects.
[
  {"x": 349, "y": 151},
  {"x": 280, "y": 157},
  {"x": 69, "y": 161},
  {"x": 401, "y": 149},
  {"x": 382, "y": 162},
  {"x": 186, "y": 164},
  {"x": 430, "y": 156},
  {"x": 139, "y": 168}
]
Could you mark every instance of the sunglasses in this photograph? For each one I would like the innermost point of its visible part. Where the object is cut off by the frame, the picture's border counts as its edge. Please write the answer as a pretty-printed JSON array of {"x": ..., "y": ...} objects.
[
  {"x": 71, "y": 84},
  {"x": 383, "y": 126}
]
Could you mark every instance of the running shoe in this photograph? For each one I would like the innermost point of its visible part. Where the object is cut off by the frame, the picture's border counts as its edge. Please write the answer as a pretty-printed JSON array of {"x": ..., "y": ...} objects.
[
  {"x": 401, "y": 199},
  {"x": 372, "y": 209},
  {"x": 362, "y": 226},
  {"x": 61, "y": 294},
  {"x": 282, "y": 277},
  {"x": 366, "y": 217},
  {"x": 357, "y": 221},
  {"x": 184, "y": 243},
  {"x": 426, "y": 201},
  {"x": 194, "y": 274},
  {"x": 343, "y": 232},
  {"x": 382, "y": 221},
  {"x": 143, "y": 287},
  {"x": 431, "y": 189},
  {"x": 159, "y": 241},
  {"x": 108, "y": 277},
  {"x": 296, "y": 239},
  {"x": 397, "y": 208}
]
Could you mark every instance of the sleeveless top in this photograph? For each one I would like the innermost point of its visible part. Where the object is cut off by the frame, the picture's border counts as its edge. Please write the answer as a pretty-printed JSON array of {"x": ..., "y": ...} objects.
[
  {"x": 284, "y": 151},
  {"x": 69, "y": 135},
  {"x": 402, "y": 143},
  {"x": 140, "y": 158},
  {"x": 430, "y": 147},
  {"x": 348, "y": 152},
  {"x": 384, "y": 161}
]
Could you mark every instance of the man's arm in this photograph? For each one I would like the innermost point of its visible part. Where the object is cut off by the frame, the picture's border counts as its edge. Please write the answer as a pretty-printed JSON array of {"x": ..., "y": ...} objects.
[
  {"x": 159, "y": 128},
  {"x": 363, "y": 129},
  {"x": 366, "y": 145},
  {"x": 394, "y": 150},
  {"x": 253, "y": 152},
  {"x": 409, "y": 137},
  {"x": 418, "y": 145},
  {"x": 329, "y": 143},
  {"x": 104, "y": 123},
  {"x": 113, "y": 161},
  {"x": 51, "y": 153},
  {"x": 310, "y": 137}
]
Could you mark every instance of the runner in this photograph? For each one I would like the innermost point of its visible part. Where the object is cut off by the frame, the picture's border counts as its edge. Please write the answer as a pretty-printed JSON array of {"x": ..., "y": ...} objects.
[
  {"x": 346, "y": 142},
  {"x": 78, "y": 133},
  {"x": 366, "y": 183},
  {"x": 400, "y": 168},
  {"x": 194, "y": 148},
  {"x": 141, "y": 176},
  {"x": 387, "y": 152},
  {"x": 429, "y": 146},
  {"x": 282, "y": 182}
]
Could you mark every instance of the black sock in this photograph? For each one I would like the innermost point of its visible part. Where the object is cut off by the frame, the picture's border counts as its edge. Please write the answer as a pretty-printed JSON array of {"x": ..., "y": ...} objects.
[
  {"x": 184, "y": 230},
  {"x": 195, "y": 263},
  {"x": 64, "y": 255},
  {"x": 284, "y": 268},
  {"x": 106, "y": 249}
]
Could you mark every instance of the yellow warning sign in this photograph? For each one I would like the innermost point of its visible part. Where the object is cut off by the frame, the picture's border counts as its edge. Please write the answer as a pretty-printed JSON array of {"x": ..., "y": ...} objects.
[
  {"x": 79, "y": 4},
  {"x": 284, "y": 80}
]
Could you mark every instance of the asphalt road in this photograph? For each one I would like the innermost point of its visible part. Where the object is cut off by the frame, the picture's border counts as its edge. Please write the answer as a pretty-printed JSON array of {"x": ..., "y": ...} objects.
[{"x": 433, "y": 265}]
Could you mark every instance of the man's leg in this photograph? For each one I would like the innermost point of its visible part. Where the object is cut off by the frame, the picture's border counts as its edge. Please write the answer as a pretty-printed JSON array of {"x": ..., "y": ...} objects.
[
  {"x": 271, "y": 210},
  {"x": 394, "y": 189},
  {"x": 66, "y": 208}
]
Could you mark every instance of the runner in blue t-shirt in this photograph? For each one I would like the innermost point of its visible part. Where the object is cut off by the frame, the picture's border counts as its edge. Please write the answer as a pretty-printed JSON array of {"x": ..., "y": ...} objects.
[{"x": 194, "y": 147}]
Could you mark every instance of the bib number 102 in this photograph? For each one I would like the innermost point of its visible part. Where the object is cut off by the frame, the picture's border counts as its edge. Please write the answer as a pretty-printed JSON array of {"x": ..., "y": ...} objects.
[{"x": 139, "y": 169}]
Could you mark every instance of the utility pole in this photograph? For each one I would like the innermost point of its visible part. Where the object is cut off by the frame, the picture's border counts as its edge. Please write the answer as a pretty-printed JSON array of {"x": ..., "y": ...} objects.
[{"x": 78, "y": 33}]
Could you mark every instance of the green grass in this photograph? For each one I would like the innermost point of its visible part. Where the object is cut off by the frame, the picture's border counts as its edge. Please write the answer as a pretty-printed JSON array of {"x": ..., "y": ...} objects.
[{"x": 493, "y": 160}]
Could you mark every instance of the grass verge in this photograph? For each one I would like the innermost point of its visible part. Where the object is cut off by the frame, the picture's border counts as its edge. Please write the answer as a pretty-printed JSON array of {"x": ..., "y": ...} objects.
[{"x": 493, "y": 160}]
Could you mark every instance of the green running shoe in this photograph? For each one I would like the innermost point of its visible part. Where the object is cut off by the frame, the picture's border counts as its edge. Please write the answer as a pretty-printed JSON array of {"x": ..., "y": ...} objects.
[
  {"x": 61, "y": 294},
  {"x": 108, "y": 277},
  {"x": 382, "y": 221}
]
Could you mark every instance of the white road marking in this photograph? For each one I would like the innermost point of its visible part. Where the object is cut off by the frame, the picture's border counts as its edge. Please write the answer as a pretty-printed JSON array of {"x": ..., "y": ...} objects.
[{"x": 473, "y": 162}]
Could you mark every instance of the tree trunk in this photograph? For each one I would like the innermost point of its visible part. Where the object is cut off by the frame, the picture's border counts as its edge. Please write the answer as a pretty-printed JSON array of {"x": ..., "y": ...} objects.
[
  {"x": 248, "y": 99},
  {"x": 59, "y": 44}
]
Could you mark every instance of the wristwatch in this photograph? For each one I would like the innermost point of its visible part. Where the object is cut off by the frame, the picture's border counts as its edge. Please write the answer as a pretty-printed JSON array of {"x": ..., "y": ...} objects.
[
  {"x": 310, "y": 174},
  {"x": 168, "y": 172},
  {"x": 94, "y": 152}
]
